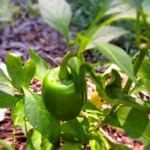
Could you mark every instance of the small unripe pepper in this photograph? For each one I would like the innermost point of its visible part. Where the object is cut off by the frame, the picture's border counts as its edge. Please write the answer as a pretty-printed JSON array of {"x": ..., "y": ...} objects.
[{"x": 60, "y": 96}]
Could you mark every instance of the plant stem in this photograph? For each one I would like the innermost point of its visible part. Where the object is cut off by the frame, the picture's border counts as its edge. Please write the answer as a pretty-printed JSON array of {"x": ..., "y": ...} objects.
[
  {"x": 63, "y": 72},
  {"x": 136, "y": 67}
]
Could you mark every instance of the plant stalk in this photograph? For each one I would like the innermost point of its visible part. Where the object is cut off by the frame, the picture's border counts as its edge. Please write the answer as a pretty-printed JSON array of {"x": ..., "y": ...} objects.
[
  {"x": 137, "y": 65},
  {"x": 63, "y": 72}
]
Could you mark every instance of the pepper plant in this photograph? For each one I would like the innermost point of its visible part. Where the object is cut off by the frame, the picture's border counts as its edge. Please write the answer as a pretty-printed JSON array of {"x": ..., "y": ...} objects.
[{"x": 62, "y": 116}]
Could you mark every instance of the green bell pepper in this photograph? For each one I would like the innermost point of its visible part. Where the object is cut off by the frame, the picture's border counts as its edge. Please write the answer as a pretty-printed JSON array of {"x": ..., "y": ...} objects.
[{"x": 60, "y": 95}]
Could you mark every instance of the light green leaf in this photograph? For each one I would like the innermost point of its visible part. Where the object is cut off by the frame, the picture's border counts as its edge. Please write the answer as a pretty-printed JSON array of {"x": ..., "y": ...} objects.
[
  {"x": 146, "y": 9},
  {"x": 8, "y": 89},
  {"x": 3, "y": 77},
  {"x": 106, "y": 34},
  {"x": 75, "y": 63},
  {"x": 18, "y": 113},
  {"x": 96, "y": 142},
  {"x": 120, "y": 11},
  {"x": 5, "y": 145},
  {"x": 7, "y": 100},
  {"x": 57, "y": 13},
  {"x": 15, "y": 69},
  {"x": 28, "y": 72},
  {"x": 144, "y": 74},
  {"x": 46, "y": 145},
  {"x": 41, "y": 65},
  {"x": 34, "y": 140},
  {"x": 72, "y": 146},
  {"x": 118, "y": 56},
  {"x": 135, "y": 3},
  {"x": 39, "y": 117}
]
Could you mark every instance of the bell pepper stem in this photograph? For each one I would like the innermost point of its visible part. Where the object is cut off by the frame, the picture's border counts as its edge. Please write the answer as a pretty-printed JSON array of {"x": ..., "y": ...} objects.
[{"x": 63, "y": 72}]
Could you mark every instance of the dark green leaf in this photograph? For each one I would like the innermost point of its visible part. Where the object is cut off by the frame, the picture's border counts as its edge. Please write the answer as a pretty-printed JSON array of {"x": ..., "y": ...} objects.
[
  {"x": 118, "y": 56},
  {"x": 72, "y": 146},
  {"x": 28, "y": 72},
  {"x": 119, "y": 147},
  {"x": 73, "y": 131},
  {"x": 57, "y": 14},
  {"x": 135, "y": 123},
  {"x": 7, "y": 100},
  {"x": 144, "y": 74},
  {"x": 39, "y": 117},
  {"x": 116, "y": 95},
  {"x": 41, "y": 65}
]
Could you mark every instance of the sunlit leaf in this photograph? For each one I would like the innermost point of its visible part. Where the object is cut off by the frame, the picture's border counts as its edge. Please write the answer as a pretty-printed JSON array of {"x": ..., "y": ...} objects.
[
  {"x": 29, "y": 71},
  {"x": 15, "y": 69},
  {"x": 41, "y": 65},
  {"x": 106, "y": 34},
  {"x": 118, "y": 56},
  {"x": 39, "y": 117},
  {"x": 57, "y": 13}
]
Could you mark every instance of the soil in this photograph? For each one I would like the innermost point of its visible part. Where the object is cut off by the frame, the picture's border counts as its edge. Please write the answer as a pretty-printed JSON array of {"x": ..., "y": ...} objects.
[{"x": 31, "y": 31}]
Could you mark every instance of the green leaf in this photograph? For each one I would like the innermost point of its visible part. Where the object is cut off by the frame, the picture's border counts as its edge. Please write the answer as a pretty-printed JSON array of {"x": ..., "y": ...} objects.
[
  {"x": 146, "y": 9},
  {"x": 7, "y": 100},
  {"x": 120, "y": 11},
  {"x": 73, "y": 131},
  {"x": 41, "y": 65},
  {"x": 135, "y": 3},
  {"x": 116, "y": 95},
  {"x": 8, "y": 89},
  {"x": 139, "y": 128},
  {"x": 36, "y": 142},
  {"x": 145, "y": 138},
  {"x": 28, "y": 72},
  {"x": 18, "y": 113},
  {"x": 118, "y": 56},
  {"x": 144, "y": 74},
  {"x": 33, "y": 140},
  {"x": 46, "y": 145},
  {"x": 39, "y": 117},
  {"x": 75, "y": 64},
  {"x": 97, "y": 141},
  {"x": 106, "y": 34},
  {"x": 72, "y": 146},
  {"x": 5, "y": 145},
  {"x": 119, "y": 147},
  {"x": 15, "y": 69},
  {"x": 57, "y": 13},
  {"x": 3, "y": 77}
]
